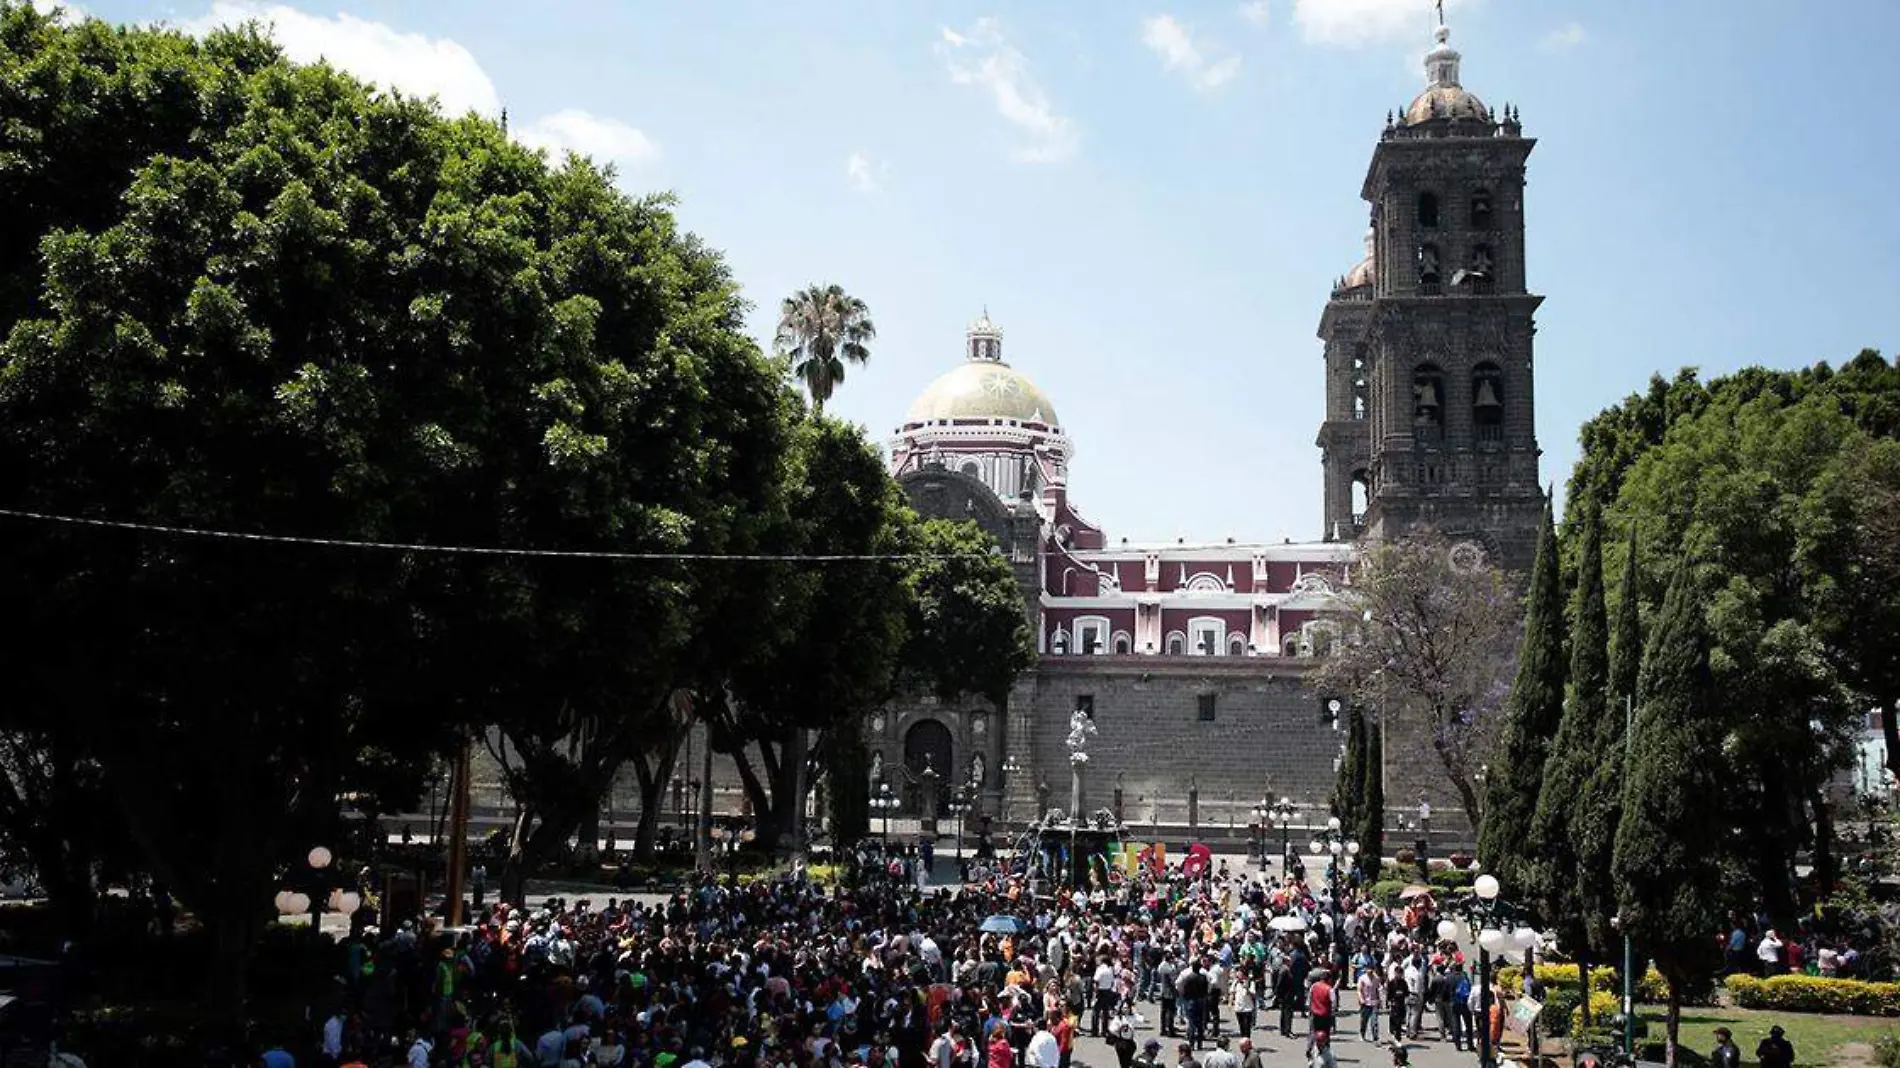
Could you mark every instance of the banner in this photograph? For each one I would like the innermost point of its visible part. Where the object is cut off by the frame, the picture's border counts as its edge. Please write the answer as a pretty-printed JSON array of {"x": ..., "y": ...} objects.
[{"x": 1523, "y": 1014}]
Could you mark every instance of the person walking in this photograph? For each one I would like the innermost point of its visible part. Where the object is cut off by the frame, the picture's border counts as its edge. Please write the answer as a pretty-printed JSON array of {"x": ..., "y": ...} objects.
[
  {"x": 1371, "y": 986},
  {"x": 1395, "y": 995},
  {"x": 1192, "y": 988},
  {"x": 1246, "y": 1002},
  {"x": 1104, "y": 998},
  {"x": 1466, "y": 1037},
  {"x": 1286, "y": 993},
  {"x": 1166, "y": 976},
  {"x": 1726, "y": 1053}
]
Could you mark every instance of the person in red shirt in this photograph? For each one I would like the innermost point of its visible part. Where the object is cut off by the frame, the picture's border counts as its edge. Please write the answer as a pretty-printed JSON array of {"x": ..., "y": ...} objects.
[
  {"x": 1000, "y": 1053},
  {"x": 1320, "y": 1005},
  {"x": 1065, "y": 1036}
]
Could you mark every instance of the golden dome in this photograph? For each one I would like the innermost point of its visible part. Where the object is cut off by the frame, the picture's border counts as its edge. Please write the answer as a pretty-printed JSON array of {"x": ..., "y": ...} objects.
[
  {"x": 1447, "y": 102},
  {"x": 983, "y": 389}
]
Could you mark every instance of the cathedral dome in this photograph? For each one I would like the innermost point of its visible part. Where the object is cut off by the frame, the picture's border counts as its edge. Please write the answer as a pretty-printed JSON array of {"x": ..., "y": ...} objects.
[
  {"x": 1447, "y": 102},
  {"x": 1444, "y": 97},
  {"x": 984, "y": 389}
]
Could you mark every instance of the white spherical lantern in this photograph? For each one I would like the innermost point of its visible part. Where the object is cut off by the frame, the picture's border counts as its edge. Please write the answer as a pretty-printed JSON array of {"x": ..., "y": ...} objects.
[
  {"x": 348, "y": 902},
  {"x": 1332, "y": 823},
  {"x": 1316, "y": 848},
  {"x": 1486, "y": 887},
  {"x": 1333, "y": 848},
  {"x": 299, "y": 903},
  {"x": 319, "y": 858},
  {"x": 282, "y": 901},
  {"x": 1493, "y": 940},
  {"x": 1447, "y": 930},
  {"x": 1525, "y": 937},
  {"x": 1353, "y": 848}
]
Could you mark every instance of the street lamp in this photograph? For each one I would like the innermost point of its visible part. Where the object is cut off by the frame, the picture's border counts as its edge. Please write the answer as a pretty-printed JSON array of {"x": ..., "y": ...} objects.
[
  {"x": 298, "y": 903},
  {"x": 1424, "y": 837},
  {"x": 883, "y": 800},
  {"x": 1334, "y": 843},
  {"x": 1009, "y": 767},
  {"x": 1257, "y": 830},
  {"x": 960, "y": 806},
  {"x": 1283, "y": 812},
  {"x": 1500, "y": 925}
]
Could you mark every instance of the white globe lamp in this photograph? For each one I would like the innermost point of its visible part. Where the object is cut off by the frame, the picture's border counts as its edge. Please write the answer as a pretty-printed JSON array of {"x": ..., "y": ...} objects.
[
  {"x": 1353, "y": 848},
  {"x": 319, "y": 858},
  {"x": 1493, "y": 940},
  {"x": 1332, "y": 823},
  {"x": 1486, "y": 887},
  {"x": 1447, "y": 930},
  {"x": 1525, "y": 937},
  {"x": 1315, "y": 847}
]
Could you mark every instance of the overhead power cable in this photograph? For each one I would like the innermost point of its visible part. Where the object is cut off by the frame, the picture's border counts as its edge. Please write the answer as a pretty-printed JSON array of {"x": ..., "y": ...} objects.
[{"x": 473, "y": 550}]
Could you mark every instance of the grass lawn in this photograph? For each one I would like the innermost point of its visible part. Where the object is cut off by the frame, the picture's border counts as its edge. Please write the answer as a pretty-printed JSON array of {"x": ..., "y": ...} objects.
[{"x": 1816, "y": 1038}]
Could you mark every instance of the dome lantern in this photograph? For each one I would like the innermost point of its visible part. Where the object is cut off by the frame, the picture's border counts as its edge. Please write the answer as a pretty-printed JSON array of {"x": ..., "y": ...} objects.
[{"x": 985, "y": 339}]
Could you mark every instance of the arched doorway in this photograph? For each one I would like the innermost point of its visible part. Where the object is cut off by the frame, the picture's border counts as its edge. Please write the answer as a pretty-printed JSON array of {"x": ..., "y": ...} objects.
[{"x": 928, "y": 743}]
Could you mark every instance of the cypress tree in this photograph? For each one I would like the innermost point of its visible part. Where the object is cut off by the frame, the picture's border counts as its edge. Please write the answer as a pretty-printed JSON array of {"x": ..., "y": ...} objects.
[
  {"x": 1557, "y": 877},
  {"x": 1666, "y": 866},
  {"x": 1348, "y": 782},
  {"x": 1593, "y": 825},
  {"x": 1535, "y": 707},
  {"x": 1371, "y": 828}
]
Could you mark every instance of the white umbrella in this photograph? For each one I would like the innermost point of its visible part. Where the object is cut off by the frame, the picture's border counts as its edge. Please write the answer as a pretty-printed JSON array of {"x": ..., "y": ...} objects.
[{"x": 1287, "y": 923}]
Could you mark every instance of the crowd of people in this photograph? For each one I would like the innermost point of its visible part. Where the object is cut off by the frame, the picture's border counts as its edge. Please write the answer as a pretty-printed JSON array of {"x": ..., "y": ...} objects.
[{"x": 1235, "y": 969}]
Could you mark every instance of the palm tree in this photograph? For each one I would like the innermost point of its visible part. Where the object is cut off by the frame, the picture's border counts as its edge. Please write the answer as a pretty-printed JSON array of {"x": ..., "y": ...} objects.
[{"x": 821, "y": 328}]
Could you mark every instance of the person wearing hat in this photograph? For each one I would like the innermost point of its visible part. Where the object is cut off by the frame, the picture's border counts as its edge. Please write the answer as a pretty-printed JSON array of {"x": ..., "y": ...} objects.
[
  {"x": 1150, "y": 1055},
  {"x": 1775, "y": 1051},
  {"x": 1726, "y": 1053}
]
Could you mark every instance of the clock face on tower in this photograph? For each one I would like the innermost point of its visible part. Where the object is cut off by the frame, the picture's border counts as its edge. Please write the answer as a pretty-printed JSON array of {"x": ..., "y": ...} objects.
[{"x": 1467, "y": 556}]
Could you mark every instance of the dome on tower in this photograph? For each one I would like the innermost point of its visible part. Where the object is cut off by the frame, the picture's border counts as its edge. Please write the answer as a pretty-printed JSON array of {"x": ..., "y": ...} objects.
[
  {"x": 1361, "y": 273},
  {"x": 983, "y": 387},
  {"x": 1443, "y": 97}
]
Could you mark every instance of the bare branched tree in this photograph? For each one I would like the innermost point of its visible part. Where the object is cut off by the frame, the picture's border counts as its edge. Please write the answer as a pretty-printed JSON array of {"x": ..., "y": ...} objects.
[{"x": 1431, "y": 629}]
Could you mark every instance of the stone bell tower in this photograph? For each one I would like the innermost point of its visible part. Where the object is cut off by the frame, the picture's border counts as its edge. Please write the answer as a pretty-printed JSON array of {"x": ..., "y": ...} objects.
[{"x": 1438, "y": 332}]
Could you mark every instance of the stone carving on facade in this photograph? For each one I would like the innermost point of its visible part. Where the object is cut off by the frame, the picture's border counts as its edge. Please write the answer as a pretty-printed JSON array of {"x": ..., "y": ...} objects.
[
  {"x": 1081, "y": 729},
  {"x": 1312, "y": 585},
  {"x": 1111, "y": 582}
]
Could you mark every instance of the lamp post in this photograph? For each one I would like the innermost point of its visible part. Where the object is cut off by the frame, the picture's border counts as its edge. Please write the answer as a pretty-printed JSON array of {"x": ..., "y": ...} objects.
[
  {"x": 1257, "y": 830},
  {"x": 1333, "y": 843},
  {"x": 1500, "y": 925},
  {"x": 1424, "y": 838},
  {"x": 1283, "y": 812},
  {"x": 960, "y": 808},
  {"x": 883, "y": 800},
  {"x": 298, "y": 903},
  {"x": 1009, "y": 768}
]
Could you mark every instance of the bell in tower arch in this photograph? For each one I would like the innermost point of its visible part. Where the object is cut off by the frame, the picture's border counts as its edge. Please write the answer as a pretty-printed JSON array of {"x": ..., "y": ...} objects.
[{"x": 1488, "y": 394}]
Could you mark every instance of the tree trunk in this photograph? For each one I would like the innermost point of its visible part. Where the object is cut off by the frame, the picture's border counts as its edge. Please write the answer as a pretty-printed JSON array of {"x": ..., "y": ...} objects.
[
  {"x": 1824, "y": 864},
  {"x": 796, "y": 750},
  {"x": 514, "y": 871},
  {"x": 1583, "y": 976},
  {"x": 232, "y": 938},
  {"x": 1454, "y": 771},
  {"x": 702, "y": 834},
  {"x": 1675, "y": 1023}
]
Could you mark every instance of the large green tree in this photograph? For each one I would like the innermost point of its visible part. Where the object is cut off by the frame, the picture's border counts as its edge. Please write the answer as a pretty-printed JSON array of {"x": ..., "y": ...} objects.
[
  {"x": 821, "y": 330},
  {"x": 1667, "y": 873},
  {"x": 1371, "y": 807},
  {"x": 1555, "y": 874},
  {"x": 1599, "y": 807},
  {"x": 268, "y": 301},
  {"x": 1505, "y": 844}
]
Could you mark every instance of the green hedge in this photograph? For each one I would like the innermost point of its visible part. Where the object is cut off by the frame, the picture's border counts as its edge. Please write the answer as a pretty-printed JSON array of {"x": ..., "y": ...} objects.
[
  {"x": 1651, "y": 989},
  {"x": 1806, "y": 993},
  {"x": 1386, "y": 891}
]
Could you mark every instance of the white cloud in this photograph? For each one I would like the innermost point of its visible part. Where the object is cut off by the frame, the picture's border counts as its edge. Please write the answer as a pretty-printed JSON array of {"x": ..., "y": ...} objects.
[
  {"x": 606, "y": 140},
  {"x": 983, "y": 59},
  {"x": 1355, "y": 22},
  {"x": 1565, "y": 37},
  {"x": 67, "y": 12},
  {"x": 1175, "y": 45},
  {"x": 374, "y": 52},
  {"x": 1255, "y": 12},
  {"x": 865, "y": 174},
  {"x": 418, "y": 65}
]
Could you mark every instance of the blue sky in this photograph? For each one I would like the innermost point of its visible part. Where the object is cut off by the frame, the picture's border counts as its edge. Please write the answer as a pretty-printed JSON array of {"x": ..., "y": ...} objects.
[{"x": 1154, "y": 198}]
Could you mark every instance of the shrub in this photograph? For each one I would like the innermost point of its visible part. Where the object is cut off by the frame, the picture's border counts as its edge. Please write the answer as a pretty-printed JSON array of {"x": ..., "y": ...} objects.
[
  {"x": 1603, "y": 1005},
  {"x": 1651, "y": 989},
  {"x": 1887, "y": 1050},
  {"x": 1451, "y": 878},
  {"x": 1386, "y": 891},
  {"x": 1560, "y": 1006},
  {"x": 1806, "y": 993}
]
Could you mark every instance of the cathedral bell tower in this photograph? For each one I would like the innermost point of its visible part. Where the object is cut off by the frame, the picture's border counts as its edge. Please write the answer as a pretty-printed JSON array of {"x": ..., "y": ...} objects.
[{"x": 1429, "y": 355}]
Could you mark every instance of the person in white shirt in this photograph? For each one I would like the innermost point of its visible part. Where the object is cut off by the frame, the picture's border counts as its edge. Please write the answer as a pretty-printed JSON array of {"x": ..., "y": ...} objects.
[
  {"x": 1044, "y": 1051},
  {"x": 333, "y": 1037},
  {"x": 1104, "y": 998},
  {"x": 1768, "y": 952},
  {"x": 419, "y": 1053}
]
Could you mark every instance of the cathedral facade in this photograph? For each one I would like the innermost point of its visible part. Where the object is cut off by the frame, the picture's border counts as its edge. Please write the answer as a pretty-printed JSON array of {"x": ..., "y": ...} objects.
[{"x": 1192, "y": 659}]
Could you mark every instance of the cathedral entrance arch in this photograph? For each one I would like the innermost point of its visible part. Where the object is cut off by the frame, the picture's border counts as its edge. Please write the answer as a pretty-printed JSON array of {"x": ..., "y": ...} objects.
[{"x": 928, "y": 743}]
